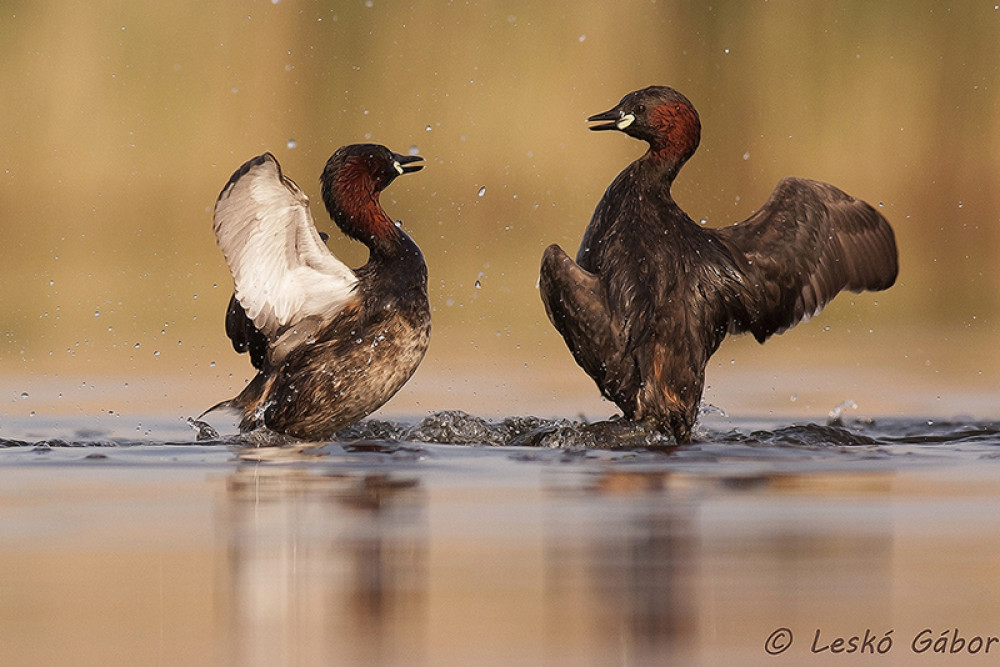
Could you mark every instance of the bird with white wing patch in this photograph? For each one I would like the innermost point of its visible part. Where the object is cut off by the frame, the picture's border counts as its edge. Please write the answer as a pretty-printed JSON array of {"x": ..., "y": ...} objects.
[{"x": 330, "y": 344}]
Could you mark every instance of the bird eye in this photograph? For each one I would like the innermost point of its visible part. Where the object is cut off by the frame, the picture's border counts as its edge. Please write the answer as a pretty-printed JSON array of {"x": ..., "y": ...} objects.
[{"x": 641, "y": 108}]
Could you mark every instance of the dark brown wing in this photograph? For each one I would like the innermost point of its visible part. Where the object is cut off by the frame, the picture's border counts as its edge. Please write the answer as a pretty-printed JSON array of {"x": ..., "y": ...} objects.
[
  {"x": 244, "y": 335},
  {"x": 808, "y": 242},
  {"x": 576, "y": 304}
]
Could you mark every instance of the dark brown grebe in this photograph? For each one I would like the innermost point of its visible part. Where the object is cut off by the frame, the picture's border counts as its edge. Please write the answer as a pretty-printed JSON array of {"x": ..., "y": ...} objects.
[
  {"x": 652, "y": 294},
  {"x": 331, "y": 345}
]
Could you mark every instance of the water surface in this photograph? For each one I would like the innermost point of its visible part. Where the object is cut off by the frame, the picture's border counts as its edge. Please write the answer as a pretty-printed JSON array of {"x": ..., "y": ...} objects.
[{"x": 455, "y": 540}]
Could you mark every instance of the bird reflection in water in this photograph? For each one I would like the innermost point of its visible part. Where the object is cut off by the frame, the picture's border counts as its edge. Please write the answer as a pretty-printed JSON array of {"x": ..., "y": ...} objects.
[
  {"x": 326, "y": 566},
  {"x": 368, "y": 552},
  {"x": 663, "y": 565},
  {"x": 633, "y": 576}
]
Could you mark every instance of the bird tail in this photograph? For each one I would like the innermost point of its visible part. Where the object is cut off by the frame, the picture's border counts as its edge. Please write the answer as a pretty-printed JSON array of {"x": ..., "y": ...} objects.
[
  {"x": 228, "y": 404},
  {"x": 246, "y": 402}
]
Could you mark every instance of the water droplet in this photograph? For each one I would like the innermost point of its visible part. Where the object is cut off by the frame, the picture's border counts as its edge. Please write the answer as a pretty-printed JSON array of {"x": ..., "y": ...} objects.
[
  {"x": 746, "y": 156},
  {"x": 582, "y": 38},
  {"x": 97, "y": 313},
  {"x": 24, "y": 395},
  {"x": 482, "y": 191},
  {"x": 479, "y": 285},
  {"x": 137, "y": 345},
  {"x": 414, "y": 150},
  {"x": 291, "y": 142},
  {"x": 726, "y": 51},
  {"x": 428, "y": 128}
]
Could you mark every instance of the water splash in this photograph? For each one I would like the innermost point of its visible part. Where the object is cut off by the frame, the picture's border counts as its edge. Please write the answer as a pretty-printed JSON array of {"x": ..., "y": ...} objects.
[
  {"x": 204, "y": 431},
  {"x": 836, "y": 416},
  {"x": 454, "y": 427},
  {"x": 739, "y": 442}
]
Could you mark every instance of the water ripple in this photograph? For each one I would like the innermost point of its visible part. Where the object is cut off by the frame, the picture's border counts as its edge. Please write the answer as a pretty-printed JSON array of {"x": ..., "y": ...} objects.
[{"x": 719, "y": 438}]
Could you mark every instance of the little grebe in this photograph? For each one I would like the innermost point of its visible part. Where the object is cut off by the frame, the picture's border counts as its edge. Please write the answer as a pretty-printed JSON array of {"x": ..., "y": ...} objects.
[
  {"x": 330, "y": 344},
  {"x": 652, "y": 294}
]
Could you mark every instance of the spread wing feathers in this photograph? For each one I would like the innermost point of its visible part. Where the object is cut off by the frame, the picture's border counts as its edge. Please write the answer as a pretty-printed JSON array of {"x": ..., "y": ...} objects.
[
  {"x": 281, "y": 269},
  {"x": 808, "y": 242},
  {"x": 576, "y": 303}
]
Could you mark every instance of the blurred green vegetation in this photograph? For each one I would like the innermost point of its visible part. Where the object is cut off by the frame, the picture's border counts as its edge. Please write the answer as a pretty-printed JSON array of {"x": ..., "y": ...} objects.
[{"x": 123, "y": 120}]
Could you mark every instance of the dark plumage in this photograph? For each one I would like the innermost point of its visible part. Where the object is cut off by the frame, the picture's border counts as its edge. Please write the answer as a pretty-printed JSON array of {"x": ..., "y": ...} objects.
[
  {"x": 652, "y": 293},
  {"x": 331, "y": 345}
]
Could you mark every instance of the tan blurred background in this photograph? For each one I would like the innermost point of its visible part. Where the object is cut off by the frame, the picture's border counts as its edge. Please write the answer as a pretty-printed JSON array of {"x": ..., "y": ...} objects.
[{"x": 123, "y": 120}]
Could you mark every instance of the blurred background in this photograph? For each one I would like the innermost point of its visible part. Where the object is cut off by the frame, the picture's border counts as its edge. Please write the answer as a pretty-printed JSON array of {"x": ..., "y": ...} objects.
[{"x": 123, "y": 120}]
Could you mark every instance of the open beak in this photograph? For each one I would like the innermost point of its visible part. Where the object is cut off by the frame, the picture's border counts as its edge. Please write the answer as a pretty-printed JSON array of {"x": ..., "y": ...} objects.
[
  {"x": 616, "y": 120},
  {"x": 611, "y": 116},
  {"x": 404, "y": 163}
]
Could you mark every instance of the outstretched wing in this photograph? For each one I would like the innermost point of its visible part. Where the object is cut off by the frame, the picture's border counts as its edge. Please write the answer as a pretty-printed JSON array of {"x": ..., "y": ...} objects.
[
  {"x": 282, "y": 271},
  {"x": 576, "y": 303},
  {"x": 808, "y": 242}
]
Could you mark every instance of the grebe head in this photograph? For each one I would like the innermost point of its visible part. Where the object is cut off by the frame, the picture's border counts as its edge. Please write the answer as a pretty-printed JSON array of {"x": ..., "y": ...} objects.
[
  {"x": 361, "y": 171},
  {"x": 369, "y": 167},
  {"x": 658, "y": 115},
  {"x": 352, "y": 180}
]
